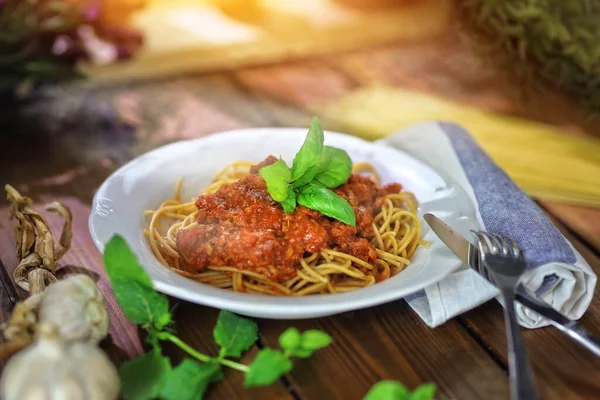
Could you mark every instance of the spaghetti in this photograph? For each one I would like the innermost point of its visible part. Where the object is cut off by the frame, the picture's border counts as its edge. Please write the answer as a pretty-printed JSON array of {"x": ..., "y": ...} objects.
[{"x": 397, "y": 235}]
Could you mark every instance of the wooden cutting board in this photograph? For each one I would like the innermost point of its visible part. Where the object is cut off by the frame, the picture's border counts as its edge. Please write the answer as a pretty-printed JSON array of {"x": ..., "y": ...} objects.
[{"x": 183, "y": 36}]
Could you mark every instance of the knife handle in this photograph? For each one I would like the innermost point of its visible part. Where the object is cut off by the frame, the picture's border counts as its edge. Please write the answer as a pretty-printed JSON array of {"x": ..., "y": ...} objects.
[{"x": 564, "y": 324}]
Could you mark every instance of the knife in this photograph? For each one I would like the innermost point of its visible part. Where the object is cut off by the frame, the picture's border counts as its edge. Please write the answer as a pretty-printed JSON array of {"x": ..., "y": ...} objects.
[{"x": 469, "y": 254}]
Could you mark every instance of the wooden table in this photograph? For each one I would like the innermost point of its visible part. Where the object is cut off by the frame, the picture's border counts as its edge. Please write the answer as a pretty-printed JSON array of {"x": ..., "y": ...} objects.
[{"x": 64, "y": 145}]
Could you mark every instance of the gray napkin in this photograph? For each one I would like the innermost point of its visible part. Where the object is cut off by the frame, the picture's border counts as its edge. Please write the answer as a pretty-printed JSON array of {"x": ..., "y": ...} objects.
[{"x": 556, "y": 272}]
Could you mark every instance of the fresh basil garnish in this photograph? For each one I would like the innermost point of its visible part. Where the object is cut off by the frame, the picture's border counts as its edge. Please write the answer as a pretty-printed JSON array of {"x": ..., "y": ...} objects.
[
  {"x": 277, "y": 176},
  {"x": 310, "y": 152},
  {"x": 317, "y": 197},
  {"x": 315, "y": 169},
  {"x": 320, "y": 167},
  {"x": 289, "y": 204},
  {"x": 337, "y": 170}
]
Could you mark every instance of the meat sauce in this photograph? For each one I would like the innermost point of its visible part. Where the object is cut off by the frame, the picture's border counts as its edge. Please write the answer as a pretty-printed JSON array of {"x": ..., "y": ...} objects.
[{"x": 241, "y": 226}]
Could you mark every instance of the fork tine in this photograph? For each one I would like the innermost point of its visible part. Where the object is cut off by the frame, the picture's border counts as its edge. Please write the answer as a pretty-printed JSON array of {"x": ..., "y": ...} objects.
[
  {"x": 515, "y": 247},
  {"x": 497, "y": 241},
  {"x": 482, "y": 244},
  {"x": 504, "y": 244},
  {"x": 492, "y": 242}
]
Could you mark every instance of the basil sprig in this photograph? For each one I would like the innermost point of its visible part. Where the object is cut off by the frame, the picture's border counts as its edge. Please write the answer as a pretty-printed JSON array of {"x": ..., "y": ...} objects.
[
  {"x": 152, "y": 376},
  {"x": 315, "y": 170}
]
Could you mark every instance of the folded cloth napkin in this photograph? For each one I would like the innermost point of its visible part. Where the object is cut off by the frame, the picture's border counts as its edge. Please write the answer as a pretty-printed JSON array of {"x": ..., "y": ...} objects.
[{"x": 556, "y": 272}]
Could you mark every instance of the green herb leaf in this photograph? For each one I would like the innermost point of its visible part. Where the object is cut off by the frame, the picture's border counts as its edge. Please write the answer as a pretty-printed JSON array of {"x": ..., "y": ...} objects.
[
  {"x": 142, "y": 305},
  {"x": 142, "y": 377},
  {"x": 289, "y": 204},
  {"x": 314, "y": 340},
  {"x": 277, "y": 176},
  {"x": 120, "y": 262},
  {"x": 305, "y": 344},
  {"x": 423, "y": 392},
  {"x": 290, "y": 339},
  {"x": 337, "y": 170},
  {"x": 268, "y": 366},
  {"x": 319, "y": 167},
  {"x": 325, "y": 159},
  {"x": 302, "y": 353},
  {"x": 310, "y": 153},
  {"x": 307, "y": 177},
  {"x": 190, "y": 379},
  {"x": 317, "y": 197},
  {"x": 388, "y": 390},
  {"x": 133, "y": 288},
  {"x": 234, "y": 334}
]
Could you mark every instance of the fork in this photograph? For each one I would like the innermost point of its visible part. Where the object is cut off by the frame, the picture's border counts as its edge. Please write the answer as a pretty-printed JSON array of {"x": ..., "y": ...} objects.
[{"x": 502, "y": 263}]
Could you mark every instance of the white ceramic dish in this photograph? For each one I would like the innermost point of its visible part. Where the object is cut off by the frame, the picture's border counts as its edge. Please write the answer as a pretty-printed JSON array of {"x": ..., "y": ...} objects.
[{"x": 148, "y": 180}]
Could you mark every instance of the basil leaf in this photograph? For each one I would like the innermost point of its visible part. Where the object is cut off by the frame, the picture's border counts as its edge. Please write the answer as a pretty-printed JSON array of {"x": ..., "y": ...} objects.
[
  {"x": 305, "y": 344},
  {"x": 142, "y": 305},
  {"x": 326, "y": 156},
  {"x": 142, "y": 377},
  {"x": 310, "y": 153},
  {"x": 132, "y": 287},
  {"x": 307, "y": 177},
  {"x": 319, "y": 198},
  {"x": 190, "y": 379},
  {"x": 319, "y": 167},
  {"x": 120, "y": 262},
  {"x": 301, "y": 353},
  {"x": 268, "y": 366},
  {"x": 290, "y": 339},
  {"x": 388, "y": 390},
  {"x": 314, "y": 340},
  {"x": 234, "y": 334},
  {"x": 289, "y": 204},
  {"x": 423, "y": 392},
  {"x": 277, "y": 176},
  {"x": 337, "y": 170}
]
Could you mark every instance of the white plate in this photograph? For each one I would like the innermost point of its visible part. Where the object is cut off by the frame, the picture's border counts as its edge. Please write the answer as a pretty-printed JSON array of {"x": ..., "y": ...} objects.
[{"x": 148, "y": 180}]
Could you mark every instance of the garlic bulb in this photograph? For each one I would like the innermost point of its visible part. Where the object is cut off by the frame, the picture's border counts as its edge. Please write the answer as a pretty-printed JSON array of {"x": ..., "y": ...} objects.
[
  {"x": 76, "y": 308},
  {"x": 53, "y": 369}
]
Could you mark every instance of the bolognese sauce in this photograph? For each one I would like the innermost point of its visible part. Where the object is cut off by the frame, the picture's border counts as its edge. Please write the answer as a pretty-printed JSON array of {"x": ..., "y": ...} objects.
[{"x": 241, "y": 226}]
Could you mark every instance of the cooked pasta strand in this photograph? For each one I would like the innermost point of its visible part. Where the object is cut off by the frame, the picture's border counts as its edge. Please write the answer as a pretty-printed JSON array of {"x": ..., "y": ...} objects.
[{"x": 396, "y": 228}]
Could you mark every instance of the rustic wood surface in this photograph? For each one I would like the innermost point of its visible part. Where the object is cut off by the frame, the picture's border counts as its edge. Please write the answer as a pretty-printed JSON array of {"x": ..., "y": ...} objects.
[{"x": 64, "y": 144}]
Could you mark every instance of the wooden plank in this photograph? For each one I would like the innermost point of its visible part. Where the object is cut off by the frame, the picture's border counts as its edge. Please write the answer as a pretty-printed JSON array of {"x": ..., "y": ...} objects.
[
  {"x": 563, "y": 369},
  {"x": 7, "y": 288},
  {"x": 123, "y": 342},
  {"x": 5, "y": 310},
  {"x": 194, "y": 326},
  {"x": 7, "y": 302},
  {"x": 584, "y": 221},
  {"x": 390, "y": 342},
  {"x": 300, "y": 84}
]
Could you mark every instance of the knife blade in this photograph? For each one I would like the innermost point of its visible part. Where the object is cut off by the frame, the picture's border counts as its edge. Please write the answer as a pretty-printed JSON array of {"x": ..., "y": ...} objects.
[{"x": 469, "y": 254}]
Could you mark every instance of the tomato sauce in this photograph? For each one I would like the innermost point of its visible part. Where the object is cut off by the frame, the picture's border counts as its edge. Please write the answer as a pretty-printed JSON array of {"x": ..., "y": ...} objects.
[{"x": 241, "y": 226}]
